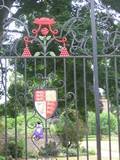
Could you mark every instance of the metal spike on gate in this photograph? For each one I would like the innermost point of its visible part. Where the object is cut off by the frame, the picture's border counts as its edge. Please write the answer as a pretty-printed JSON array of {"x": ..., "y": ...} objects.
[
  {"x": 64, "y": 52},
  {"x": 26, "y": 52}
]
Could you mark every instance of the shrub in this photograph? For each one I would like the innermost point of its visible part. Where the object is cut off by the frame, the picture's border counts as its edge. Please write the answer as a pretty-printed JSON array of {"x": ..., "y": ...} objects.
[
  {"x": 1, "y": 110},
  {"x": 49, "y": 150},
  {"x": 92, "y": 123},
  {"x": 69, "y": 129},
  {"x": 31, "y": 154},
  {"x": 104, "y": 123},
  {"x": 20, "y": 119},
  {"x": 2, "y": 158},
  {"x": 1, "y": 136},
  {"x": 84, "y": 151},
  {"x": 70, "y": 152},
  {"x": 10, "y": 123},
  {"x": 12, "y": 148},
  {"x": 92, "y": 152},
  {"x": 73, "y": 151}
]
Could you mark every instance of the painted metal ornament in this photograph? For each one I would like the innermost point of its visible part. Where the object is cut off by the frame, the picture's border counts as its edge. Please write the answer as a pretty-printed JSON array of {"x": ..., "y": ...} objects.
[
  {"x": 64, "y": 52},
  {"x": 26, "y": 52},
  {"x": 38, "y": 132},
  {"x": 44, "y": 32},
  {"x": 45, "y": 101}
]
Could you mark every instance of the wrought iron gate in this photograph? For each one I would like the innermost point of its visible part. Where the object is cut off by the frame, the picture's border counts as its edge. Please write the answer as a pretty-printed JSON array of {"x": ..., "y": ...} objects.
[{"x": 75, "y": 63}]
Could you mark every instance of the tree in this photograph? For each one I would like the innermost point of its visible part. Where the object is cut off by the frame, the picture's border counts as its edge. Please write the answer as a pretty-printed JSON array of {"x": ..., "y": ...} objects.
[{"x": 113, "y": 4}]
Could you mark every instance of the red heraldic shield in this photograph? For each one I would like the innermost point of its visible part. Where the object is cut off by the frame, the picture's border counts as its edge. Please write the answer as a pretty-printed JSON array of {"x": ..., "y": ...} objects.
[{"x": 45, "y": 101}]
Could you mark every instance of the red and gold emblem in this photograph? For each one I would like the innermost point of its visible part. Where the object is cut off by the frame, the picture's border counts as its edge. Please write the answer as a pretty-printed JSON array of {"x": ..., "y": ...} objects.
[{"x": 45, "y": 101}]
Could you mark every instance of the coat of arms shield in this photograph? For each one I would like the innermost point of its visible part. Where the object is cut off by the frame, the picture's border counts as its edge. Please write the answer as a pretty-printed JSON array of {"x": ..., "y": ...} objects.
[{"x": 45, "y": 101}]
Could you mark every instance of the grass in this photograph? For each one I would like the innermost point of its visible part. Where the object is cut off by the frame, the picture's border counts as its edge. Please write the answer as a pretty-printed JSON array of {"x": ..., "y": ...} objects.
[
  {"x": 104, "y": 137},
  {"x": 83, "y": 158},
  {"x": 75, "y": 158},
  {"x": 105, "y": 148}
]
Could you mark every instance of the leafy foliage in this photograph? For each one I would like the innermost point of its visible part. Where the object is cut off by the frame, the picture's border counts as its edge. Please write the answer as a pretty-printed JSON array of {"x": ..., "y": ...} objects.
[
  {"x": 49, "y": 150},
  {"x": 70, "y": 129},
  {"x": 92, "y": 123},
  {"x": 2, "y": 158},
  {"x": 1, "y": 138},
  {"x": 12, "y": 148},
  {"x": 105, "y": 123},
  {"x": 114, "y": 4}
]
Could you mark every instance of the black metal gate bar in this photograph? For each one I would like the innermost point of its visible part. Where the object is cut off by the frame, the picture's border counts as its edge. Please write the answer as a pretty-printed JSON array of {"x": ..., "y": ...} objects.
[
  {"x": 76, "y": 104},
  {"x": 65, "y": 95},
  {"x": 25, "y": 106},
  {"x": 95, "y": 78},
  {"x": 15, "y": 107},
  {"x": 5, "y": 107},
  {"x": 54, "y": 70},
  {"x": 117, "y": 101},
  {"x": 108, "y": 105},
  {"x": 35, "y": 67},
  {"x": 85, "y": 104},
  {"x": 45, "y": 78}
]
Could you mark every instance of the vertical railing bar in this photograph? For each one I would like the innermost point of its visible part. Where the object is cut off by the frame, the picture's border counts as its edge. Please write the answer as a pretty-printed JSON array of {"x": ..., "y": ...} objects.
[
  {"x": 45, "y": 78},
  {"x": 35, "y": 67},
  {"x": 55, "y": 66},
  {"x": 65, "y": 93},
  {"x": 95, "y": 78},
  {"x": 108, "y": 106},
  {"x": 117, "y": 102},
  {"x": 5, "y": 105},
  {"x": 85, "y": 104},
  {"x": 25, "y": 107},
  {"x": 76, "y": 105},
  {"x": 15, "y": 70}
]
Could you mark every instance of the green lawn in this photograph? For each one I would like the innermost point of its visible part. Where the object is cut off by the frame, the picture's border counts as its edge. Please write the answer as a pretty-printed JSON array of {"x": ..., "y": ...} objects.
[
  {"x": 84, "y": 158},
  {"x": 92, "y": 146},
  {"x": 75, "y": 158},
  {"x": 105, "y": 148}
]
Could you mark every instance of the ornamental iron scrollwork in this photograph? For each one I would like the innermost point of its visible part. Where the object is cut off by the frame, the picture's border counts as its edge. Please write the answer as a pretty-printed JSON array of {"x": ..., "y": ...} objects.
[
  {"x": 2, "y": 79},
  {"x": 44, "y": 34},
  {"x": 74, "y": 38}
]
